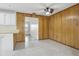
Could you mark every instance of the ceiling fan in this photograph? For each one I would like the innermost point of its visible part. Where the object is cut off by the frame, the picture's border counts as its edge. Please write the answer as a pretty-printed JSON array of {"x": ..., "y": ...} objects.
[{"x": 47, "y": 10}]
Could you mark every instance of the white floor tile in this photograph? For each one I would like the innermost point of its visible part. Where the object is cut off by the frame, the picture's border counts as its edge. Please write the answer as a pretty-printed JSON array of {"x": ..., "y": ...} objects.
[{"x": 45, "y": 48}]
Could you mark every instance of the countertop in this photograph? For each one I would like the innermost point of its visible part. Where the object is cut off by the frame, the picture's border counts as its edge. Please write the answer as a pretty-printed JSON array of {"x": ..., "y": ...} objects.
[{"x": 8, "y": 29}]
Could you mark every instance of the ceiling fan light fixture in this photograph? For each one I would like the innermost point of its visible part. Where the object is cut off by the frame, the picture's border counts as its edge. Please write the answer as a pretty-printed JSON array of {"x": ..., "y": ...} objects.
[
  {"x": 47, "y": 9},
  {"x": 47, "y": 13},
  {"x": 51, "y": 10}
]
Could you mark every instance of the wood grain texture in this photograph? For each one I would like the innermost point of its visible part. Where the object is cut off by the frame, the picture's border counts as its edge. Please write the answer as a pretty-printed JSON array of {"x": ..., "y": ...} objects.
[
  {"x": 45, "y": 28},
  {"x": 20, "y": 25},
  {"x": 64, "y": 26},
  {"x": 14, "y": 40},
  {"x": 41, "y": 28},
  {"x": 20, "y": 22}
]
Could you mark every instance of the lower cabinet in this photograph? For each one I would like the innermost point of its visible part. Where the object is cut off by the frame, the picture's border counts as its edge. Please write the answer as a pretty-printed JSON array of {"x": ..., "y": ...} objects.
[{"x": 6, "y": 42}]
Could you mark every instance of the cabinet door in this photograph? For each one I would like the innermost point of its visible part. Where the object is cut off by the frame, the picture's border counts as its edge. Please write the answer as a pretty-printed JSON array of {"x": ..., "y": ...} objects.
[
  {"x": 13, "y": 19},
  {"x": 7, "y": 19},
  {"x": 1, "y": 18}
]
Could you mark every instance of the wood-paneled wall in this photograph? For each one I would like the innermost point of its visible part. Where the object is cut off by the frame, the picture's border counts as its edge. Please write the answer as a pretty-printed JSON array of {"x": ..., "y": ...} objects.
[
  {"x": 20, "y": 26},
  {"x": 43, "y": 28},
  {"x": 64, "y": 26}
]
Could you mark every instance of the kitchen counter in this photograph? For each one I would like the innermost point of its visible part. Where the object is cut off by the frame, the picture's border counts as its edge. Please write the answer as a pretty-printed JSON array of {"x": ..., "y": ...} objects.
[
  {"x": 8, "y": 29},
  {"x": 6, "y": 37}
]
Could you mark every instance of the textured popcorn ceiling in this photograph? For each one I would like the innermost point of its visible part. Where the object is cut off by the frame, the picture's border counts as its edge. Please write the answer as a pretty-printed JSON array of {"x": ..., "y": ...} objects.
[{"x": 37, "y": 8}]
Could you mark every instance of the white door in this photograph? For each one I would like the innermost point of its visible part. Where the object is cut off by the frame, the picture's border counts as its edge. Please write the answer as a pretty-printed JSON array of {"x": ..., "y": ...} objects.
[{"x": 31, "y": 31}]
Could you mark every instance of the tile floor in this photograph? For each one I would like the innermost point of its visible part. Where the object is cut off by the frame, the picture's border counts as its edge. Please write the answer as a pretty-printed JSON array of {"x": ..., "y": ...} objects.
[{"x": 43, "y": 48}]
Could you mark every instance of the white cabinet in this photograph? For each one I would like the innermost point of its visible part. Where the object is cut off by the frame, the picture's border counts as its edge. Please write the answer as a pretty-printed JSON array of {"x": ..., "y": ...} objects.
[
  {"x": 13, "y": 19},
  {"x": 6, "y": 42},
  {"x": 2, "y": 18},
  {"x": 7, "y": 18}
]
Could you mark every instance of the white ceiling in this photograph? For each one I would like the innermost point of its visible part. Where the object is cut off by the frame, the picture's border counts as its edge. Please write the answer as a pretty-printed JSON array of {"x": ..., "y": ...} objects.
[{"x": 37, "y": 8}]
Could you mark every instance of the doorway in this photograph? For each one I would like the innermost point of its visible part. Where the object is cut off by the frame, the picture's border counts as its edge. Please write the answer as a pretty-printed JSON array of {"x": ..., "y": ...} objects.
[{"x": 31, "y": 32}]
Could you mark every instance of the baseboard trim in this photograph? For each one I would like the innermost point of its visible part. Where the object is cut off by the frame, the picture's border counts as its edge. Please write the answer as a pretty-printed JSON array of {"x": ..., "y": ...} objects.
[{"x": 65, "y": 44}]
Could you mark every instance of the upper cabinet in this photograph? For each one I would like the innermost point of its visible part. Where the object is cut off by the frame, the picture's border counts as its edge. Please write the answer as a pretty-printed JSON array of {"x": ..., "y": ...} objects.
[
  {"x": 2, "y": 18},
  {"x": 13, "y": 19},
  {"x": 7, "y": 18}
]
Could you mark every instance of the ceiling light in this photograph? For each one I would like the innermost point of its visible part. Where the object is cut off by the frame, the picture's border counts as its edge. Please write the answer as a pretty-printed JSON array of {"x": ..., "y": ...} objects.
[{"x": 48, "y": 11}]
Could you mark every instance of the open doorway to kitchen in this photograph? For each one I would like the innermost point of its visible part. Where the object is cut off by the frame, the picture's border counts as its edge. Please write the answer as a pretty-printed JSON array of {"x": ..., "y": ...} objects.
[{"x": 31, "y": 32}]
